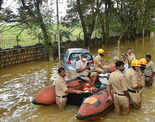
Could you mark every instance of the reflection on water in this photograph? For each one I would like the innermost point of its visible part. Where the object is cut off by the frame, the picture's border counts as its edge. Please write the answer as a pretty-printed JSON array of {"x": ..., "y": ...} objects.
[{"x": 20, "y": 83}]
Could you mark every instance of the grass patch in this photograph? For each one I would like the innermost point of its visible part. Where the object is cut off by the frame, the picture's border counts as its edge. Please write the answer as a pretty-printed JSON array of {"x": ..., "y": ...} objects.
[{"x": 8, "y": 38}]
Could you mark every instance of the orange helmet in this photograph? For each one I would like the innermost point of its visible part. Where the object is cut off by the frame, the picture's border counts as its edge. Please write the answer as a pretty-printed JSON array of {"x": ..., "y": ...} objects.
[
  {"x": 135, "y": 63},
  {"x": 142, "y": 61}
]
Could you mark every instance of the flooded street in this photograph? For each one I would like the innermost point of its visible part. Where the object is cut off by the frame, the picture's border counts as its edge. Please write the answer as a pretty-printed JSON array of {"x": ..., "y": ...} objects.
[{"x": 20, "y": 83}]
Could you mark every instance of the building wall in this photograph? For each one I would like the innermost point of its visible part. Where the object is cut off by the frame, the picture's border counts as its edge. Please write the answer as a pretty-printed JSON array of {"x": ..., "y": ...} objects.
[{"x": 21, "y": 55}]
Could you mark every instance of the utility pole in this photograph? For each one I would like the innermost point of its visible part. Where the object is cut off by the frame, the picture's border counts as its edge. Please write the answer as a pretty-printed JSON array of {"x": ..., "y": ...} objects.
[
  {"x": 58, "y": 30},
  {"x": 143, "y": 28}
]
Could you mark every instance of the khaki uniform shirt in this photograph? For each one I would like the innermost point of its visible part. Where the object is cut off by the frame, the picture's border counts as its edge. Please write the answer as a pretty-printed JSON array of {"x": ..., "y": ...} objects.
[
  {"x": 99, "y": 60},
  {"x": 141, "y": 80},
  {"x": 125, "y": 61},
  {"x": 81, "y": 65},
  {"x": 134, "y": 78},
  {"x": 118, "y": 82},
  {"x": 60, "y": 86},
  {"x": 131, "y": 57},
  {"x": 150, "y": 68}
]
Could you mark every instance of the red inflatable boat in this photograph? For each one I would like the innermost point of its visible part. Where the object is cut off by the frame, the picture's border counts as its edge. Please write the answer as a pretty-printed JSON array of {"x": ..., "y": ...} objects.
[
  {"x": 95, "y": 106},
  {"x": 47, "y": 95}
]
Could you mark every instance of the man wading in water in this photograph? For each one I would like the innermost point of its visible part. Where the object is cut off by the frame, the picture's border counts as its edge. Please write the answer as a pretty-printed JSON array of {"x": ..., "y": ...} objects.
[
  {"x": 136, "y": 83},
  {"x": 149, "y": 71},
  {"x": 62, "y": 90},
  {"x": 119, "y": 85},
  {"x": 130, "y": 56}
]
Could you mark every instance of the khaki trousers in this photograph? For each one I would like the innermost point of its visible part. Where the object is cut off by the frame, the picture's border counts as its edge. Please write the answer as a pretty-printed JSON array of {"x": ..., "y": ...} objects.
[
  {"x": 148, "y": 81},
  {"x": 121, "y": 103},
  {"x": 61, "y": 102},
  {"x": 136, "y": 98}
]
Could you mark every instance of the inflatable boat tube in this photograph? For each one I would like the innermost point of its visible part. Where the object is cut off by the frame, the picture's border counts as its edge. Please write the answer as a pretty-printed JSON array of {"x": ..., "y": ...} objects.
[
  {"x": 75, "y": 84},
  {"x": 95, "y": 106},
  {"x": 46, "y": 96}
]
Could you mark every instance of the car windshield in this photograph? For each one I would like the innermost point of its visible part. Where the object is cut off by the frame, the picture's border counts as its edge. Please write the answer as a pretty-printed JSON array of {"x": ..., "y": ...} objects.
[{"x": 76, "y": 56}]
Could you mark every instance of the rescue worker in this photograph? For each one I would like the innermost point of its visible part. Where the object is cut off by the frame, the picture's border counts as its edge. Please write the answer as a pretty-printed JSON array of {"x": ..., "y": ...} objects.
[
  {"x": 112, "y": 66},
  {"x": 135, "y": 79},
  {"x": 83, "y": 69},
  {"x": 149, "y": 71},
  {"x": 62, "y": 90},
  {"x": 119, "y": 85},
  {"x": 99, "y": 62},
  {"x": 130, "y": 56},
  {"x": 125, "y": 60},
  {"x": 142, "y": 63},
  {"x": 115, "y": 59}
]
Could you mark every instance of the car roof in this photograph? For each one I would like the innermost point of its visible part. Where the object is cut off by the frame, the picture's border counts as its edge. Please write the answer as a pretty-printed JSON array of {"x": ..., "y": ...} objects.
[{"x": 76, "y": 50}]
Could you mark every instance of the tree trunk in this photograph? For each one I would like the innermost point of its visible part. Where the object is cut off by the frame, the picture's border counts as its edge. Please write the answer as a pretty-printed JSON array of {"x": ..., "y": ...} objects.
[
  {"x": 87, "y": 38},
  {"x": 38, "y": 17},
  {"x": 41, "y": 22},
  {"x": 87, "y": 30},
  {"x": 1, "y": 2},
  {"x": 107, "y": 18}
]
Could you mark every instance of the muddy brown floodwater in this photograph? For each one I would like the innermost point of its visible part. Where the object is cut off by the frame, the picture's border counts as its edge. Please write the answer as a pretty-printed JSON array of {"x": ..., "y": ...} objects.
[{"x": 20, "y": 83}]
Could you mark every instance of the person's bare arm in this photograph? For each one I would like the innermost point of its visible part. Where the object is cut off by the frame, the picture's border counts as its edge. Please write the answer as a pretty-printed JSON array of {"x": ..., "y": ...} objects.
[
  {"x": 153, "y": 69},
  {"x": 101, "y": 65},
  {"x": 109, "y": 95},
  {"x": 81, "y": 70}
]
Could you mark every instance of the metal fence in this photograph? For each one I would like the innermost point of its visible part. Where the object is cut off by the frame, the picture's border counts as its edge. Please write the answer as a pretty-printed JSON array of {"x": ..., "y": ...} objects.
[{"x": 10, "y": 43}]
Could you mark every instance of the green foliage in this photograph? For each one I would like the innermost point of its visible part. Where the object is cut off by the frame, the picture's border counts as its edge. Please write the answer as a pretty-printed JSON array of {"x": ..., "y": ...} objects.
[
  {"x": 85, "y": 19},
  {"x": 127, "y": 17},
  {"x": 152, "y": 28}
]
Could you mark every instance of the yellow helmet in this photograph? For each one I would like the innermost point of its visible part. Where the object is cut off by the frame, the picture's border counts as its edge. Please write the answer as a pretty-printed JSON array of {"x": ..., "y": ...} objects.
[
  {"x": 142, "y": 61},
  {"x": 135, "y": 63},
  {"x": 100, "y": 51}
]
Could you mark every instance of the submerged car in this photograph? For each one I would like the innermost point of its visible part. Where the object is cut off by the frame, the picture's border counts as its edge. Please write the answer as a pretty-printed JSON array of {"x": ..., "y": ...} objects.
[{"x": 72, "y": 55}]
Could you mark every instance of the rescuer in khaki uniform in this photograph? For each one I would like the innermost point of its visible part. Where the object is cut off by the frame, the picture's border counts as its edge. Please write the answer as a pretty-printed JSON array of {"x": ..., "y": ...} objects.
[
  {"x": 119, "y": 85},
  {"x": 125, "y": 60},
  {"x": 135, "y": 80},
  {"x": 149, "y": 71},
  {"x": 115, "y": 59},
  {"x": 99, "y": 61},
  {"x": 130, "y": 56},
  {"x": 62, "y": 90}
]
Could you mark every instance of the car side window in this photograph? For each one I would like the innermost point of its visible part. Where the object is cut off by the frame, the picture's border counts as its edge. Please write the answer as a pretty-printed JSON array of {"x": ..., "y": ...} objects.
[{"x": 89, "y": 57}]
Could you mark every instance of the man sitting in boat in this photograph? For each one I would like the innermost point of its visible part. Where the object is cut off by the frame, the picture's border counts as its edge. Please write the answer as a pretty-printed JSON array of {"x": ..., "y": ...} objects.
[
  {"x": 119, "y": 85},
  {"x": 149, "y": 71},
  {"x": 62, "y": 90},
  {"x": 99, "y": 65},
  {"x": 83, "y": 69},
  {"x": 99, "y": 61}
]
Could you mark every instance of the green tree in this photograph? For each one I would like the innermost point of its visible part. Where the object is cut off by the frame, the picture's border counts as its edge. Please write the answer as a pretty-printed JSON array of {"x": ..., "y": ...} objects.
[{"x": 85, "y": 12}]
